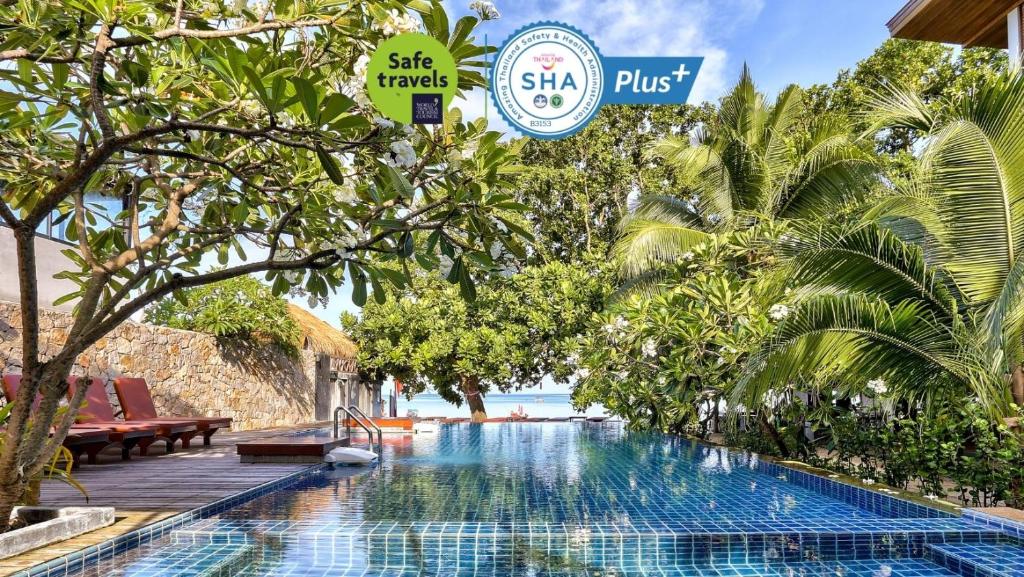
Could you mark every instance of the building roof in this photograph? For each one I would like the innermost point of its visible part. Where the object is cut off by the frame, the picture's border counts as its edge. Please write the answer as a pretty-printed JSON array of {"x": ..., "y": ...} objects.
[
  {"x": 321, "y": 337},
  {"x": 973, "y": 23}
]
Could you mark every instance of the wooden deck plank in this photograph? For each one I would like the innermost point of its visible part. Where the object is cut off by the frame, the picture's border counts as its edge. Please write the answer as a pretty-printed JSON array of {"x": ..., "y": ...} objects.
[{"x": 180, "y": 481}]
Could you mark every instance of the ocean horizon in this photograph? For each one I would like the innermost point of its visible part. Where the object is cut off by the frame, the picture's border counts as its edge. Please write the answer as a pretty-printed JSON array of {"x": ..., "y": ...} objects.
[{"x": 498, "y": 405}]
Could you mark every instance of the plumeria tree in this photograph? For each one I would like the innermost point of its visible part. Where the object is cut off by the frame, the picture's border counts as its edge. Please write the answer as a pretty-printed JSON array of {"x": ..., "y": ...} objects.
[
  {"x": 665, "y": 361},
  {"x": 239, "y": 130},
  {"x": 520, "y": 328}
]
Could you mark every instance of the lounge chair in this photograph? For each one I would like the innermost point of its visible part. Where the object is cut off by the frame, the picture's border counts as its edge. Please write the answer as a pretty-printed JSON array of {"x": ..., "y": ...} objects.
[
  {"x": 137, "y": 404},
  {"x": 79, "y": 440},
  {"x": 98, "y": 413}
]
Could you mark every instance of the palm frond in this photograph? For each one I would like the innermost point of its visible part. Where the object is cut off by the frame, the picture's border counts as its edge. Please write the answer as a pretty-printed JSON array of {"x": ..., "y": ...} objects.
[
  {"x": 893, "y": 107},
  {"x": 852, "y": 338},
  {"x": 660, "y": 230},
  {"x": 966, "y": 174},
  {"x": 868, "y": 259},
  {"x": 702, "y": 169}
]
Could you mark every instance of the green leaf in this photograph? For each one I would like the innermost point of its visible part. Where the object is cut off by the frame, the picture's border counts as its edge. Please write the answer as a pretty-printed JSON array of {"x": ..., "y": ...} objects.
[
  {"x": 308, "y": 97},
  {"x": 463, "y": 27},
  {"x": 334, "y": 106},
  {"x": 256, "y": 84},
  {"x": 400, "y": 183},
  {"x": 439, "y": 19},
  {"x": 329, "y": 165},
  {"x": 406, "y": 245},
  {"x": 466, "y": 286},
  {"x": 358, "y": 285},
  {"x": 379, "y": 296}
]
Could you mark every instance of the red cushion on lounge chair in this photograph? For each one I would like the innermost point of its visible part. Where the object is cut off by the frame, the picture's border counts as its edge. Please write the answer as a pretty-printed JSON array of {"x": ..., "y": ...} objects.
[
  {"x": 136, "y": 401},
  {"x": 11, "y": 383},
  {"x": 97, "y": 404},
  {"x": 137, "y": 404}
]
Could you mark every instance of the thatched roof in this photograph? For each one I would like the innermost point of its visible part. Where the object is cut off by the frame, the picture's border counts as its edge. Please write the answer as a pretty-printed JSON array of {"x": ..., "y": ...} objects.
[{"x": 321, "y": 337}]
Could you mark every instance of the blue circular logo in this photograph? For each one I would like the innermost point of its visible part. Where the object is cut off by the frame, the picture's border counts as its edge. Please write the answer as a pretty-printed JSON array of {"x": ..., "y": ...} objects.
[{"x": 542, "y": 62}]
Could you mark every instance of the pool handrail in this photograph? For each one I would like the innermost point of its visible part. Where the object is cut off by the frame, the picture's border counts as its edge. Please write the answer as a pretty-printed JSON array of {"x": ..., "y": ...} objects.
[
  {"x": 380, "y": 433},
  {"x": 348, "y": 427}
]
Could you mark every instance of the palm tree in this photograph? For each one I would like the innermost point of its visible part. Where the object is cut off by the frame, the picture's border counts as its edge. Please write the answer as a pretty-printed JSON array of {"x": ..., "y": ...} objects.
[
  {"x": 927, "y": 294},
  {"x": 755, "y": 161}
]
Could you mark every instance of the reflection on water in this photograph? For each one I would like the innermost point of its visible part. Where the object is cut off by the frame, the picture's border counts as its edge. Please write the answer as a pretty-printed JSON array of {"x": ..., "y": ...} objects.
[{"x": 518, "y": 472}]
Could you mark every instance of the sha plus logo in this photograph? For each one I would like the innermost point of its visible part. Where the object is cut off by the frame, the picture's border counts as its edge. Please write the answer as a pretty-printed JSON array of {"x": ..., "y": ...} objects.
[{"x": 548, "y": 80}]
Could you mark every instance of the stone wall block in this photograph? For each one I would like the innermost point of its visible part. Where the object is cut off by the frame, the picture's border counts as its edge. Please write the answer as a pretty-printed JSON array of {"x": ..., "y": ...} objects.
[{"x": 188, "y": 373}]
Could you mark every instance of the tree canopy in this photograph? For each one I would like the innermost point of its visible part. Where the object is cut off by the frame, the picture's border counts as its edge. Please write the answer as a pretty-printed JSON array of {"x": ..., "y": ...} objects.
[{"x": 517, "y": 331}]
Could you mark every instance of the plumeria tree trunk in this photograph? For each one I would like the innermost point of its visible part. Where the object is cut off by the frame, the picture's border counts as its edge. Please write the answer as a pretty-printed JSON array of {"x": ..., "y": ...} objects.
[{"x": 474, "y": 398}]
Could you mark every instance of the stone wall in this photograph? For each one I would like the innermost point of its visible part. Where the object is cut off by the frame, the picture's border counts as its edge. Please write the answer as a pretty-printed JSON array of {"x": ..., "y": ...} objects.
[{"x": 188, "y": 373}]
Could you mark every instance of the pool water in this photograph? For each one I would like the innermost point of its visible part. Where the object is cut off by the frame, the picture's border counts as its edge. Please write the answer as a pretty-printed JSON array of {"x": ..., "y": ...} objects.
[{"x": 560, "y": 499}]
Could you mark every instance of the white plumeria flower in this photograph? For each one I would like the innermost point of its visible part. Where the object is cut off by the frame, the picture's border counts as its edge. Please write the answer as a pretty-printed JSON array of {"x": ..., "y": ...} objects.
[
  {"x": 878, "y": 386},
  {"x": 397, "y": 23},
  {"x": 383, "y": 122},
  {"x": 688, "y": 255},
  {"x": 777, "y": 312},
  {"x": 649, "y": 348},
  {"x": 583, "y": 373},
  {"x": 403, "y": 154},
  {"x": 485, "y": 10},
  {"x": 621, "y": 323}
]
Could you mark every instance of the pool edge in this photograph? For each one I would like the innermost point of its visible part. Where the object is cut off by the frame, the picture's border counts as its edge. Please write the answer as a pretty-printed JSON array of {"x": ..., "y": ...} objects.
[{"x": 133, "y": 539}]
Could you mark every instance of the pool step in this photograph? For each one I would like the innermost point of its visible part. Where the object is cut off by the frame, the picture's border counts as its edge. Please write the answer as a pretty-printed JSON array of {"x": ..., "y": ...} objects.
[
  {"x": 435, "y": 545},
  {"x": 979, "y": 559},
  {"x": 210, "y": 560},
  {"x": 529, "y": 568}
]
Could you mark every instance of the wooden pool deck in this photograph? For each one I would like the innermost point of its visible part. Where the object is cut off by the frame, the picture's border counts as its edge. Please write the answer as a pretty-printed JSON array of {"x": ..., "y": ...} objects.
[
  {"x": 148, "y": 489},
  {"x": 183, "y": 480}
]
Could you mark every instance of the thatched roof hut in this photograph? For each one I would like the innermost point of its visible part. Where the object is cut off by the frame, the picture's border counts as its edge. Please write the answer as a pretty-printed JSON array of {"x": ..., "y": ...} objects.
[{"x": 321, "y": 337}]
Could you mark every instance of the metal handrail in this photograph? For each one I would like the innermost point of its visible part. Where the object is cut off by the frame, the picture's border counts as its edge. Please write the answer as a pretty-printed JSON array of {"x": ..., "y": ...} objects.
[
  {"x": 380, "y": 433},
  {"x": 348, "y": 428}
]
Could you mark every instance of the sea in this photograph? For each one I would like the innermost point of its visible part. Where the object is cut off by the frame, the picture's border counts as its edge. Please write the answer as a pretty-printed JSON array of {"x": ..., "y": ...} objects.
[{"x": 498, "y": 405}]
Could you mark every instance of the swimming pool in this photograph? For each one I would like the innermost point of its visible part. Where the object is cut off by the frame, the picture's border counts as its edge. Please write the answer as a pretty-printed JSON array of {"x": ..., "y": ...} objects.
[{"x": 559, "y": 499}]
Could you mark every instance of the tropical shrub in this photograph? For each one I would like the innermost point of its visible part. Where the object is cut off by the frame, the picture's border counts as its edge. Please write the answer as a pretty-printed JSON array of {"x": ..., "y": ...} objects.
[
  {"x": 955, "y": 451},
  {"x": 241, "y": 309},
  {"x": 664, "y": 361}
]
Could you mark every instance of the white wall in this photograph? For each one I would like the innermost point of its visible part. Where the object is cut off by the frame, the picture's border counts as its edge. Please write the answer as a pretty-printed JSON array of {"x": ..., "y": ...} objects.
[{"x": 49, "y": 261}]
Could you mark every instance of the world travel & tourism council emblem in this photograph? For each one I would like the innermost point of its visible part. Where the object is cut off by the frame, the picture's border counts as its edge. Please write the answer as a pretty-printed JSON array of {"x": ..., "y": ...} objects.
[{"x": 548, "y": 80}]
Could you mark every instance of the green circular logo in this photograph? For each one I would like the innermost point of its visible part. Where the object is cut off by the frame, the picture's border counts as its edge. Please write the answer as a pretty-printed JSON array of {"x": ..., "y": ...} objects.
[
  {"x": 557, "y": 101},
  {"x": 412, "y": 78}
]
